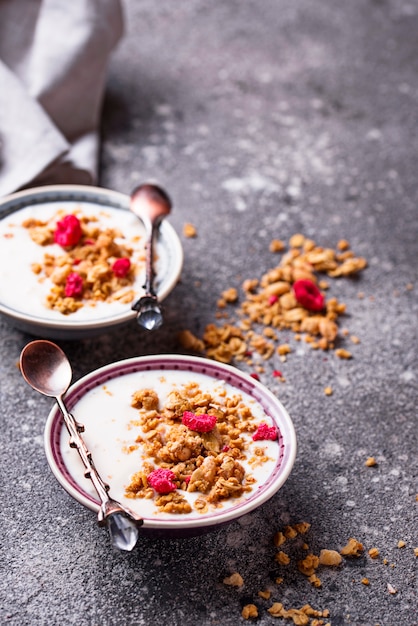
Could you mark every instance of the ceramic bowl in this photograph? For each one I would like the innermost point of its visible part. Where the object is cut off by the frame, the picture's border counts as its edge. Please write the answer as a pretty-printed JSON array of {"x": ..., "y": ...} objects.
[
  {"x": 23, "y": 293},
  {"x": 101, "y": 401}
]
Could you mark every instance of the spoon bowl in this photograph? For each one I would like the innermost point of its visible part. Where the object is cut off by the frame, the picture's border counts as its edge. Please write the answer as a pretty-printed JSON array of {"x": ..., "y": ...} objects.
[{"x": 45, "y": 368}]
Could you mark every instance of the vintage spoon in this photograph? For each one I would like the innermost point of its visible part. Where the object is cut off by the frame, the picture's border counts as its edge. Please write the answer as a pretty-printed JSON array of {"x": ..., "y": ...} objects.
[
  {"x": 46, "y": 369},
  {"x": 151, "y": 204}
]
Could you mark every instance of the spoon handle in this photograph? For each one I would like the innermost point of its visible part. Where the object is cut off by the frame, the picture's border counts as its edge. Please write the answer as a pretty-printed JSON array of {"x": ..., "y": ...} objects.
[
  {"x": 76, "y": 441},
  {"x": 152, "y": 229}
]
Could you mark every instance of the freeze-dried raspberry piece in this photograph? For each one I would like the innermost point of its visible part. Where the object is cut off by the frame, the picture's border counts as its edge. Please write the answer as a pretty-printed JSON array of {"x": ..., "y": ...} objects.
[
  {"x": 308, "y": 295},
  {"x": 265, "y": 432},
  {"x": 200, "y": 423},
  {"x": 162, "y": 480},
  {"x": 121, "y": 267},
  {"x": 73, "y": 285},
  {"x": 68, "y": 231}
]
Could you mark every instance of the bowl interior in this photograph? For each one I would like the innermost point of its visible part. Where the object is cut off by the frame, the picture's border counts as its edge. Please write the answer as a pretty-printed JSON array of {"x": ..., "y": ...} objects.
[{"x": 107, "y": 437}]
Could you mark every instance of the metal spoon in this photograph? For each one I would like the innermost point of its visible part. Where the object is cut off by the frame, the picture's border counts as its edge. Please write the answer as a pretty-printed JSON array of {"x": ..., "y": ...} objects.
[
  {"x": 46, "y": 369},
  {"x": 151, "y": 204}
]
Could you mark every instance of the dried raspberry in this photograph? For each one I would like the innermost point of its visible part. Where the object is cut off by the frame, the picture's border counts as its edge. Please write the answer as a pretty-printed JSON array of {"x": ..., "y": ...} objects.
[
  {"x": 308, "y": 295},
  {"x": 255, "y": 376},
  {"x": 277, "y": 374},
  {"x": 272, "y": 299},
  {"x": 73, "y": 286},
  {"x": 162, "y": 480},
  {"x": 121, "y": 267},
  {"x": 265, "y": 432},
  {"x": 200, "y": 423},
  {"x": 68, "y": 231}
]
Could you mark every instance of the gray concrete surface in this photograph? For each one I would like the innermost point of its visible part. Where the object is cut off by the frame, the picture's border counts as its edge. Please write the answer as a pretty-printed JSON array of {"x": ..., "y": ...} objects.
[{"x": 261, "y": 119}]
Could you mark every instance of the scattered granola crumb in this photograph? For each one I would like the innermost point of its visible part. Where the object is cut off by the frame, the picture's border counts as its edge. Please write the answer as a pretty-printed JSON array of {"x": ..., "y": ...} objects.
[
  {"x": 189, "y": 341},
  {"x": 391, "y": 589},
  {"x": 230, "y": 295},
  {"x": 300, "y": 617},
  {"x": 276, "y": 245},
  {"x": 265, "y": 594},
  {"x": 235, "y": 580},
  {"x": 290, "y": 532},
  {"x": 353, "y": 548},
  {"x": 341, "y": 353},
  {"x": 302, "y": 527},
  {"x": 330, "y": 557},
  {"x": 282, "y": 558},
  {"x": 279, "y": 539},
  {"x": 189, "y": 230},
  {"x": 308, "y": 565},
  {"x": 365, "y": 581},
  {"x": 328, "y": 391},
  {"x": 373, "y": 553},
  {"x": 370, "y": 461},
  {"x": 315, "y": 581},
  {"x": 249, "y": 611},
  {"x": 343, "y": 244},
  {"x": 401, "y": 543},
  {"x": 416, "y": 551}
]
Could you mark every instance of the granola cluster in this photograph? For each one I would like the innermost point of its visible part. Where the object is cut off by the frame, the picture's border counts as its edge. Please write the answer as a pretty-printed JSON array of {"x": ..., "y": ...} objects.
[
  {"x": 290, "y": 296},
  {"x": 93, "y": 265},
  {"x": 194, "y": 442}
]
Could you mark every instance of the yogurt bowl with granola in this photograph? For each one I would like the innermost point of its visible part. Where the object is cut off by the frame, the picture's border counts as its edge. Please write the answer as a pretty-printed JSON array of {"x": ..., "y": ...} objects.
[
  {"x": 188, "y": 444},
  {"x": 72, "y": 260}
]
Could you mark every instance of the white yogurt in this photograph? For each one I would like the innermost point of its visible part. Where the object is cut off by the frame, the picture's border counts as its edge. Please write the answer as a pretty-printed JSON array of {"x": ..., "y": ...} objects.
[
  {"x": 24, "y": 291},
  {"x": 107, "y": 415}
]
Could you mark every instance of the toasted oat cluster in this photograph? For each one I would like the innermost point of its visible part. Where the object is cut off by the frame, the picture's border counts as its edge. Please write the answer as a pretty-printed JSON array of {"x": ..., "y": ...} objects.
[
  {"x": 290, "y": 296},
  {"x": 94, "y": 264},
  {"x": 194, "y": 442}
]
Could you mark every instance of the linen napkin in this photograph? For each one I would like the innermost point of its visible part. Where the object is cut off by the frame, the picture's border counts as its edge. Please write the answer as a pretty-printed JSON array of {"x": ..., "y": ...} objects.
[{"x": 53, "y": 62}]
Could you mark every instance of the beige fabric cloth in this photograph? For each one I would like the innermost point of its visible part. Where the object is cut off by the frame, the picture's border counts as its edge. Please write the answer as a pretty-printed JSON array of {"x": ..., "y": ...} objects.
[{"x": 53, "y": 61}]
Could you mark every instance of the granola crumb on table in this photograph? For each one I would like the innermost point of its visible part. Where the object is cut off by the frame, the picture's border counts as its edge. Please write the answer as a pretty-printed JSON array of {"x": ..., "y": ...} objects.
[
  {"x": 353, "y": 548},
  {"x": 189, "y": 230},
  {"x": 249, "y": 611},
  {"x": 235, "y": 580},
  {"x": 288, "y": 297}
]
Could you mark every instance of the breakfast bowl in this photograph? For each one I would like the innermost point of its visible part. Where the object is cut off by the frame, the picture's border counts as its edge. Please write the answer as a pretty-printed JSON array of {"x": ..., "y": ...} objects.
[
  {"x": 37, "y": 265},
  {"x": 185, "y": 443}
]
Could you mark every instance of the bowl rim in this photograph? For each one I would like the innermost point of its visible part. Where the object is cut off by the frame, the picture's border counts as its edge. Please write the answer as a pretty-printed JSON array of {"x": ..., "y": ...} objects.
[
  {"x": 258, "y": 391},
  {"x": 121, "y": 202}
]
